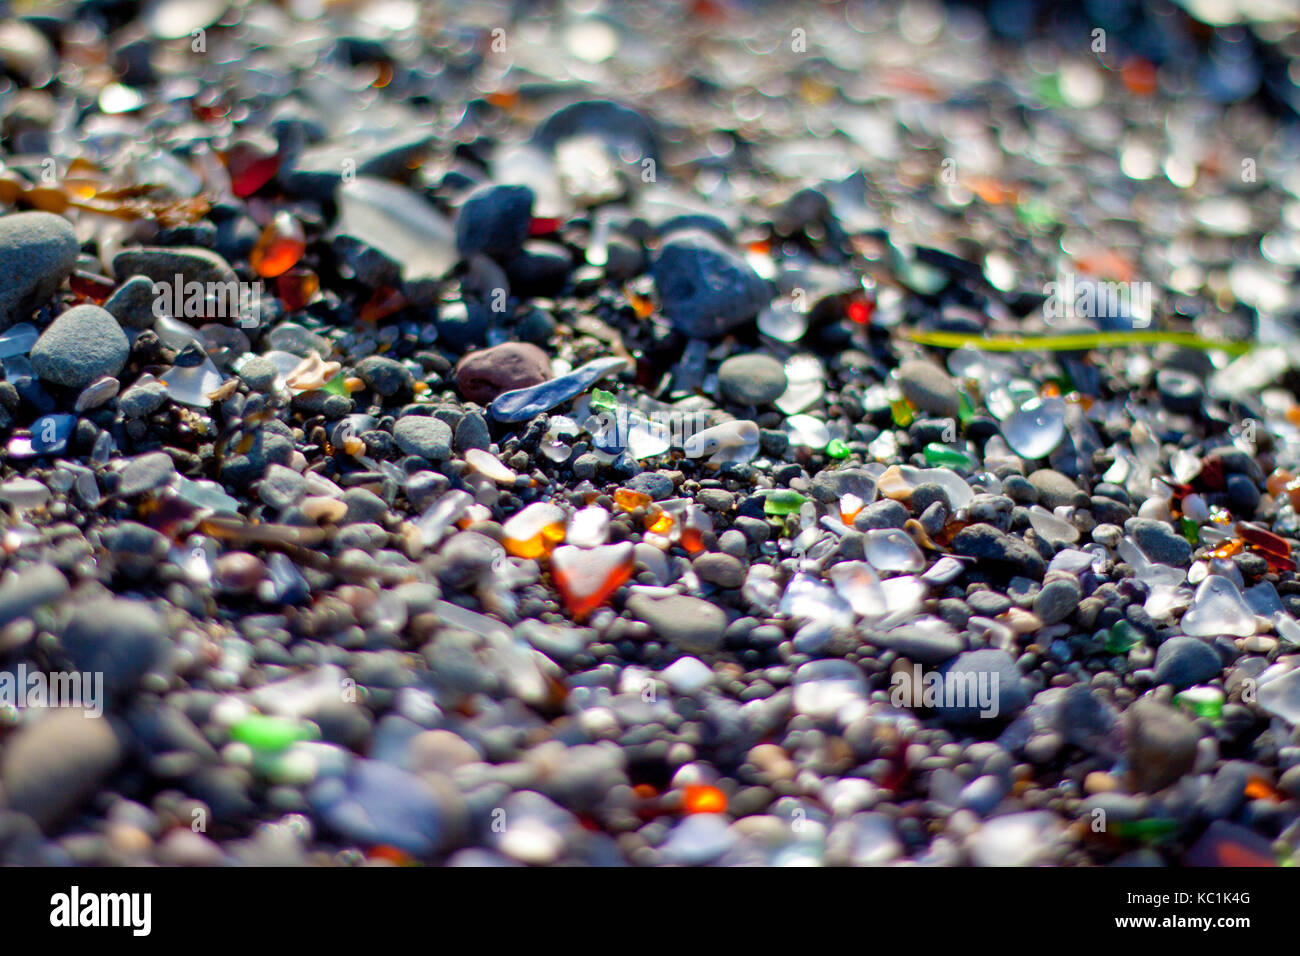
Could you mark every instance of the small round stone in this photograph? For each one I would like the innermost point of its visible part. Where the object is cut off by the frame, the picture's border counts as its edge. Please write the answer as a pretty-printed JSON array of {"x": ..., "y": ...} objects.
[
  {"x": 1057, "y": 600},
  {"x": 752, "y": 379},
  {"x": 483, "y": 375},
  {"x": 929, "y": 388},
  {"x": 690, "y": 623},
  {"x": 721, "y": 569},
  {"x": 1055, "y": 490},
  {"x": 80, "y": 346},
  {"x": 423, "y": 435},
  {"x": 1184, "y": 661}
]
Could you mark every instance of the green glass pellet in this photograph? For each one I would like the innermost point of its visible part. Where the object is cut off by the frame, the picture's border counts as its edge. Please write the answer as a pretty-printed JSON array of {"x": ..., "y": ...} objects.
[
  {"x": 965, "y": 408},
  {"x": 1035, "y": 213},
  {"x": 269, "y": 733},
  {"x": 1122, "y": 638},
  {"x": 937, "y": 453},
  {"x": 838, "y": 448},
  {"x": 1153, "y": 828},
  {"x": 783, "y": 502},
  {"x": 1048, "y": 88},
  {"x": 1191, "y": 531},
  {"x": 337, "y": 385},
  {"x": 1207, "y": 703},
  {"x": 602, "y": 400}
]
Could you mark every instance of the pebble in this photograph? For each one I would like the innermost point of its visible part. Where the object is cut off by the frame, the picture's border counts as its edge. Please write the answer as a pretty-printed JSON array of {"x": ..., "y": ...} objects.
[
  {"x": 721, "y": 569},
  {"x": 1008, "y": 552},
  {"x": 1057, "y": 600},
  {"x": 38, "y": 250},
  {"x": 483, "y": 375},
  {"x": 706, "y": 288},
  {"x": 132, "y": 304},
  {"x": 885, "y": 513},
  {"x": 145, "y": 473},
  {"x": 121, "y": 638},
  {"x": 377, "y": 804},
  {"x": 999, "y": 690},
  {"x": 51, "y": 768},
  {"x": 1055, "y": 490},
  {"x": 691, "y": 624},
  {"x": 494, "y": 220},
  {"x": 929, "y": 388},
  {"x": 423, "y": 435},
  {"x": 385, "y": 376},
  {"x": 1160, "y": 542},
  {"x": 81, "y": 345},
  {"x": 928, "y": 645},
  {"x": 1180, "y": 392},
  {"x": 162, "y": 265},
  {"x": 1184, "y": 661},
  {"x": 258, "y": 373},
  {"x": 1161, "y": 744},
  {"x": 30, "y": 588},
  {"x": 752, "y": 379}
]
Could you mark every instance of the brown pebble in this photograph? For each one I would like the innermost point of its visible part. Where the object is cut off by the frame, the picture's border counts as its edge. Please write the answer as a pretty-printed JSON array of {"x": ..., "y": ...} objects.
[
  {"x": 240, "y": 571},
  {"x": 483, "y": 375}
]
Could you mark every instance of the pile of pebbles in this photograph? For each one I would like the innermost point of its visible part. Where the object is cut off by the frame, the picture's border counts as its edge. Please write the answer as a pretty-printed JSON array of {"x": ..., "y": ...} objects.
[{"x": 483, "y": 436}]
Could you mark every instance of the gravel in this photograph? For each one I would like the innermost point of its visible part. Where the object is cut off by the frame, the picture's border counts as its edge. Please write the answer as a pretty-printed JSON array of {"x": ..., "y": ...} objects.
[{"x": 610, "y": 450}]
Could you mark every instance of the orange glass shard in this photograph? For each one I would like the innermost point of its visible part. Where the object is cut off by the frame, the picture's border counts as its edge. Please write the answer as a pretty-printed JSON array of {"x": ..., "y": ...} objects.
[
  {"x": 1228, "y": 548},
  {"x": 535, "y": 531},
  {"x": 695, "y": 525},
  {"x": 382, "y": 304},
  {"x": 700, "y": 798},
  {"x": 87, "y": 285},
  {"x": 297, "y": 287},
  {"x": 279, "y": 248},
  {"x": 641, "y": 305},
  {"x": 661, "y": 524},
  {"x": 390, "y": 854},
  {"x": 588, "y": 577},
  {"x": 1139, "y": 76},
  {"x": 861, "y": 310},
  {"x": 1274, "y": 548},
  {"x": 630, "y": 500},
  {"x": 1257, "y": 788},
  {"x": 992, "y": 192},
  {"x": 250, "y": 168}
]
